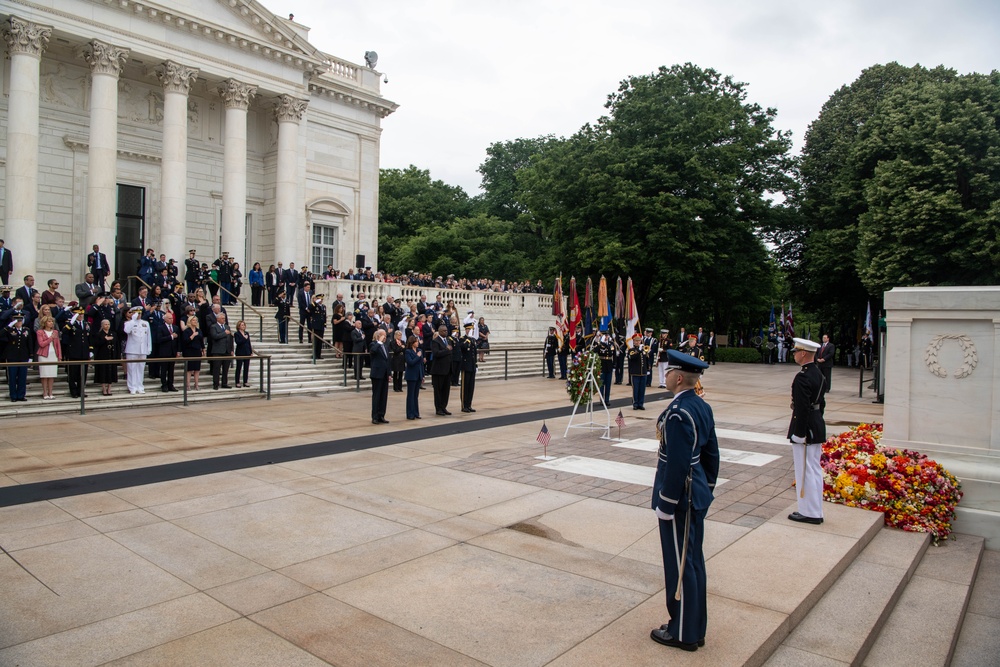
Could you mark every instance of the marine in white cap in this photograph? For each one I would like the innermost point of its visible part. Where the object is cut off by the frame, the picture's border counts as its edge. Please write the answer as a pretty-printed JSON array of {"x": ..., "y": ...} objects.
[{"x": 807, "y": 431}]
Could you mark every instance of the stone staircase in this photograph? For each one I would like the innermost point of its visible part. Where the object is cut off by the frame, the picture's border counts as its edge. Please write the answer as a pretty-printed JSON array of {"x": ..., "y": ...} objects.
[
  {"x": 292, "y": 372},
  {"x": 847, "y": 592}
]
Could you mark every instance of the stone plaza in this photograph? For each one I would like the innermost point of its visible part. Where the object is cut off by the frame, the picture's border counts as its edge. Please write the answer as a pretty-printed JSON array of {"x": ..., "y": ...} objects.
[{"x": 292, "y": 532}]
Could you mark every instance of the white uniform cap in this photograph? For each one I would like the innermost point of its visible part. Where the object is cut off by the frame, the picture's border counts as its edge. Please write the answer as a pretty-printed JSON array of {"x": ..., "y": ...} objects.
[{"x": 807, "y": 345}]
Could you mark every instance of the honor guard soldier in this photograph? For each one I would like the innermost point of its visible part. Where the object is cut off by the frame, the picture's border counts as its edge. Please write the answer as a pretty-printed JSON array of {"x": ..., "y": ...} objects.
[
  {"x": 75, "y": 341},
  {"x": 686, "y": 471},
  {"x": 551, "y": 347},
  {"x": 282, "y": 313},
  {"x": 469, "y": 348},
  {"x": 661, "y": 356},
  {"x": 807, "y": 431},
  {"x": 605, "y": 348},
  {"x": 316, "y": 319},
  {"x": 19, "y": 346},
  {"x": 638, "y": 366},
  {"x": 619, "y": 340},
  {"x": 649, "y": 342}
]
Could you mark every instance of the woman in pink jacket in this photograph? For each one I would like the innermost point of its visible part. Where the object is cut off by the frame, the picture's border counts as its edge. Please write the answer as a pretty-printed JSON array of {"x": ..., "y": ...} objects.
[{"x": 49, "y": 349}]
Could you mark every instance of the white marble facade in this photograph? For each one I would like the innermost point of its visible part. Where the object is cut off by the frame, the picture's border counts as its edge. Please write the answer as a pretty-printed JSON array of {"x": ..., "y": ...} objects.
[
  {"x": 942, "y": 390},
  {"x": 241, "y": 134}
]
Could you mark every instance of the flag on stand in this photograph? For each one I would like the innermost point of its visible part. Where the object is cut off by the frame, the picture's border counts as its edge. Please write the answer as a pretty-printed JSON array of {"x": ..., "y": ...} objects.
[
  {"x": 544, "y": 436},
  {"x": 868, "y": 319},
  {"x": 620, "y": 419},
  {"x": 771, "y": 327},
  {"x": 588, "y": 308},
  {"x": 557, "y": 298},
  {"x": 619, "y": 301},
  {"x": 781, "y": 324},
  {"x": 789, "y": 323},
  {"x": 631, "y": 314}
]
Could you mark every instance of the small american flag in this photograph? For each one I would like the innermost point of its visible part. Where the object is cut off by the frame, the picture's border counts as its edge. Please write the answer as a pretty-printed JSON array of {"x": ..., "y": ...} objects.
[
  {"x": 544, "y": 436},
  {"x": 620, "y": 420}
]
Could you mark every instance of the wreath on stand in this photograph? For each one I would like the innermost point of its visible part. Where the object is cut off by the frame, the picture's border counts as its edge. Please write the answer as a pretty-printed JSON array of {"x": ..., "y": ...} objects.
[{"x": 576, "y": 380}]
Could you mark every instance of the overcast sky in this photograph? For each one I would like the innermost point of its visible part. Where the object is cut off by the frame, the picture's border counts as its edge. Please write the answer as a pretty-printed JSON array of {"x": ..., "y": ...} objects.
[{"x": 467, "y": 73}]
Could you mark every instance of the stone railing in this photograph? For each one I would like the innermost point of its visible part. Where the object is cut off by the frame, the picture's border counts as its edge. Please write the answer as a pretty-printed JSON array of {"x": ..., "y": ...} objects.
[{"x": 510, "y": 317}]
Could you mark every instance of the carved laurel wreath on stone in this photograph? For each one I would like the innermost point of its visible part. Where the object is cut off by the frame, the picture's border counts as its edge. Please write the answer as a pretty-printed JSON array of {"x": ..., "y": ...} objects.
[{"x": 968, "y": 350}]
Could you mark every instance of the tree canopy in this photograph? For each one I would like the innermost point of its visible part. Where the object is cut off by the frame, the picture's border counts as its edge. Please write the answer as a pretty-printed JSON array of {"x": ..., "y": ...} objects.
[
  {"x": 899, "y": 187},
  {"x": 669, "y": 189}
]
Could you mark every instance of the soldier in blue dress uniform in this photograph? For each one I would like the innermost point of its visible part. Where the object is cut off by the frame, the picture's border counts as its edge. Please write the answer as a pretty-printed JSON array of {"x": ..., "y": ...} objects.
[{"x": 686, "y": 472}]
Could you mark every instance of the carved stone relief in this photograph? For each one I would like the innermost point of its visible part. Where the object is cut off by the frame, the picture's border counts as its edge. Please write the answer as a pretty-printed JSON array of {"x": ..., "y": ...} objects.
[{"x": 969, "y": 354}]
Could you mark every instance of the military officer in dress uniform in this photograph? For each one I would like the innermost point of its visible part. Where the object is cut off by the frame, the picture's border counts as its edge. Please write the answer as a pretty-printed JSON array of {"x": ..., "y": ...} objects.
[
  {"x": 551, "y": 347},
  {"x": 638, "y": 366},
  {"x": 138, "y": 346},
  {"x": 315, "y": 316},
  {"x": 605, "y": 348},
  {"x": 686, "y": 472},
  {"x": 469, "y": 349},
  {"x": 650, "y": 343},
  {"x": 807, "y": 431},
  {"x": 75, "y": 339},
  {"x": 19, "y": 345},
  {"x": 661, "y": 356}
]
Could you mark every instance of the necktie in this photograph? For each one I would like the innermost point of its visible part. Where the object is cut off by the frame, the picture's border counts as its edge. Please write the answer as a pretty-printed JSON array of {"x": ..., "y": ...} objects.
[{"x": 97, "y": 260}]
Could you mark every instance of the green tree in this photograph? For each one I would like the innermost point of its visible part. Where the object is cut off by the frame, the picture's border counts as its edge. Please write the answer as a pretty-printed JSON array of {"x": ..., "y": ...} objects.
[
  {"x": 473, "y": 247},
  {"x": 503, "y": 195},
  {"x": 821, "y": 244},
  {"x": 931, "y": 161},
  {"x": 408, "y": 201},
  {"x": 670, "y": 188}
]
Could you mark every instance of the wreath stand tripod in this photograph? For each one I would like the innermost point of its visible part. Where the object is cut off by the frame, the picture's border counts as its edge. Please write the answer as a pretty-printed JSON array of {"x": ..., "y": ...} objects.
[{"x": 590, "y": 385}]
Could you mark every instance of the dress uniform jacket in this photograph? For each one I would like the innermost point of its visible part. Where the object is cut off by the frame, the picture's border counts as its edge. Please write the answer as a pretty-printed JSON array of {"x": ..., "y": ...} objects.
[
  {"x": 807, "y": 422},
  {"x": 686, "y": 471}
]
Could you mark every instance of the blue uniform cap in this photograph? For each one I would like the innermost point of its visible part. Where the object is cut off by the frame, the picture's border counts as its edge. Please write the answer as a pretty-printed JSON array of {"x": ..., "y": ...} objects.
[{"x": 685, "y": 362}]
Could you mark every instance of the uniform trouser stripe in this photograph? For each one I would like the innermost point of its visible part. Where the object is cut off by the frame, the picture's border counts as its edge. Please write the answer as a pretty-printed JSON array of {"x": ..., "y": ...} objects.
[{"x": 680, "y": 574}]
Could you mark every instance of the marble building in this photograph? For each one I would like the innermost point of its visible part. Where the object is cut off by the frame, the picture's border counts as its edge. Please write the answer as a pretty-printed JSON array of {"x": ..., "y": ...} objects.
[{"x": 205, "y": 124}]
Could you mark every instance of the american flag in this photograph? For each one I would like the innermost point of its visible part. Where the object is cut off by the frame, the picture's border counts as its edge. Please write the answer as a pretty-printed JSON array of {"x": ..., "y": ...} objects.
[
  {"x": 789, "y": 323},
  {"x": 544, "y": 436},
  {"x": 620, "y": 420}
]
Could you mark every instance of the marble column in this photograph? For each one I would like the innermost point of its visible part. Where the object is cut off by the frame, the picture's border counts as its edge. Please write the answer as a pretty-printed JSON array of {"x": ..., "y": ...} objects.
[
  {"x": 236, "y": 96},
  {"x": 288, "y": 112},
  {"x": 106, "y": 63},
  {"x": 176, "y": 80},
  {"x": 25, "y": 42}
]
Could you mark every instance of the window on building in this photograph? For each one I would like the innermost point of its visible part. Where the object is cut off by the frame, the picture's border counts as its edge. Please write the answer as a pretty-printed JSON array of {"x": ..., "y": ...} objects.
[{"x": 324, "y": 248}]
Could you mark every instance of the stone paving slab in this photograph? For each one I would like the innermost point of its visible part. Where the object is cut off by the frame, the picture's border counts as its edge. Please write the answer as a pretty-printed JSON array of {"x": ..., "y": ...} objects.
[{"x": 455, "y": 549}]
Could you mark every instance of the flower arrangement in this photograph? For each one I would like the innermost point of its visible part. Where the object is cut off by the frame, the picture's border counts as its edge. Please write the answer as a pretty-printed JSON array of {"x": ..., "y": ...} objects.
[
  {"x": 914, "y": 492},
  {"x": 576, "y": 379}
]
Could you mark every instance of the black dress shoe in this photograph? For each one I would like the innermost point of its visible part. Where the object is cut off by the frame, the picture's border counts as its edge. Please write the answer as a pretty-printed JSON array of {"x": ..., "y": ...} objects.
[
  {"x": 171, "y": 388},
  {"x": 383, "y": 421},
  {"x": 472, "y": 409},
  {"x": 801, "y": 518},
  {"x": 446, "y": 412},
  {"x": 441, "y": 413},
  {"x": 466, "y": 410},
  {"x": 375, "y": 421},
  {"x": 661, "y": 636},
  {"x": 226, "y": 386}
]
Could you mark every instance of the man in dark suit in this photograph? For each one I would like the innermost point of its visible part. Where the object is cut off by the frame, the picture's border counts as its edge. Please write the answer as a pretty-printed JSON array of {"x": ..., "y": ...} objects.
[
  {"x": 97, "y": 262},
  {"x": 25, "y": 292},
  {"x": 358, "y": 348},
  {"x": 291, "y": 278},
  {"x": 166, "y": 344},
  {"x": 380, "y": 377},
  {"x": 87, "y": 290},
  {"x": 6, "y": 264},
  {"x": 220, "y": 344},
  {"x": 441, "y": 349},
  {"x": 711, "y": 345},
  {"x": 824, "y": 359},
  {"x": 305, "y": 300}
]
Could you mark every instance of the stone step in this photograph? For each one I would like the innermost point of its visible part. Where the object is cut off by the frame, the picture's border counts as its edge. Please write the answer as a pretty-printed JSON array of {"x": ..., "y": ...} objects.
[
  {"x": 869, "y": 588},
  {"x": 925, "y": 623},
  {"x": 761, "y": 585}
]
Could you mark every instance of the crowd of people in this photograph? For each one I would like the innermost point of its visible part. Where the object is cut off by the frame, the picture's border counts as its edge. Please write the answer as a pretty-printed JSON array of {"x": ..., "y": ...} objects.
[{"x": 163, "y": 321}]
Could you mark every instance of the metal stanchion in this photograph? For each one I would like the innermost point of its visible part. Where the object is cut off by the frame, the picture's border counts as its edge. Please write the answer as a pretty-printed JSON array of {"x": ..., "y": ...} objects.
[{"x": 269, "y": 378}]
